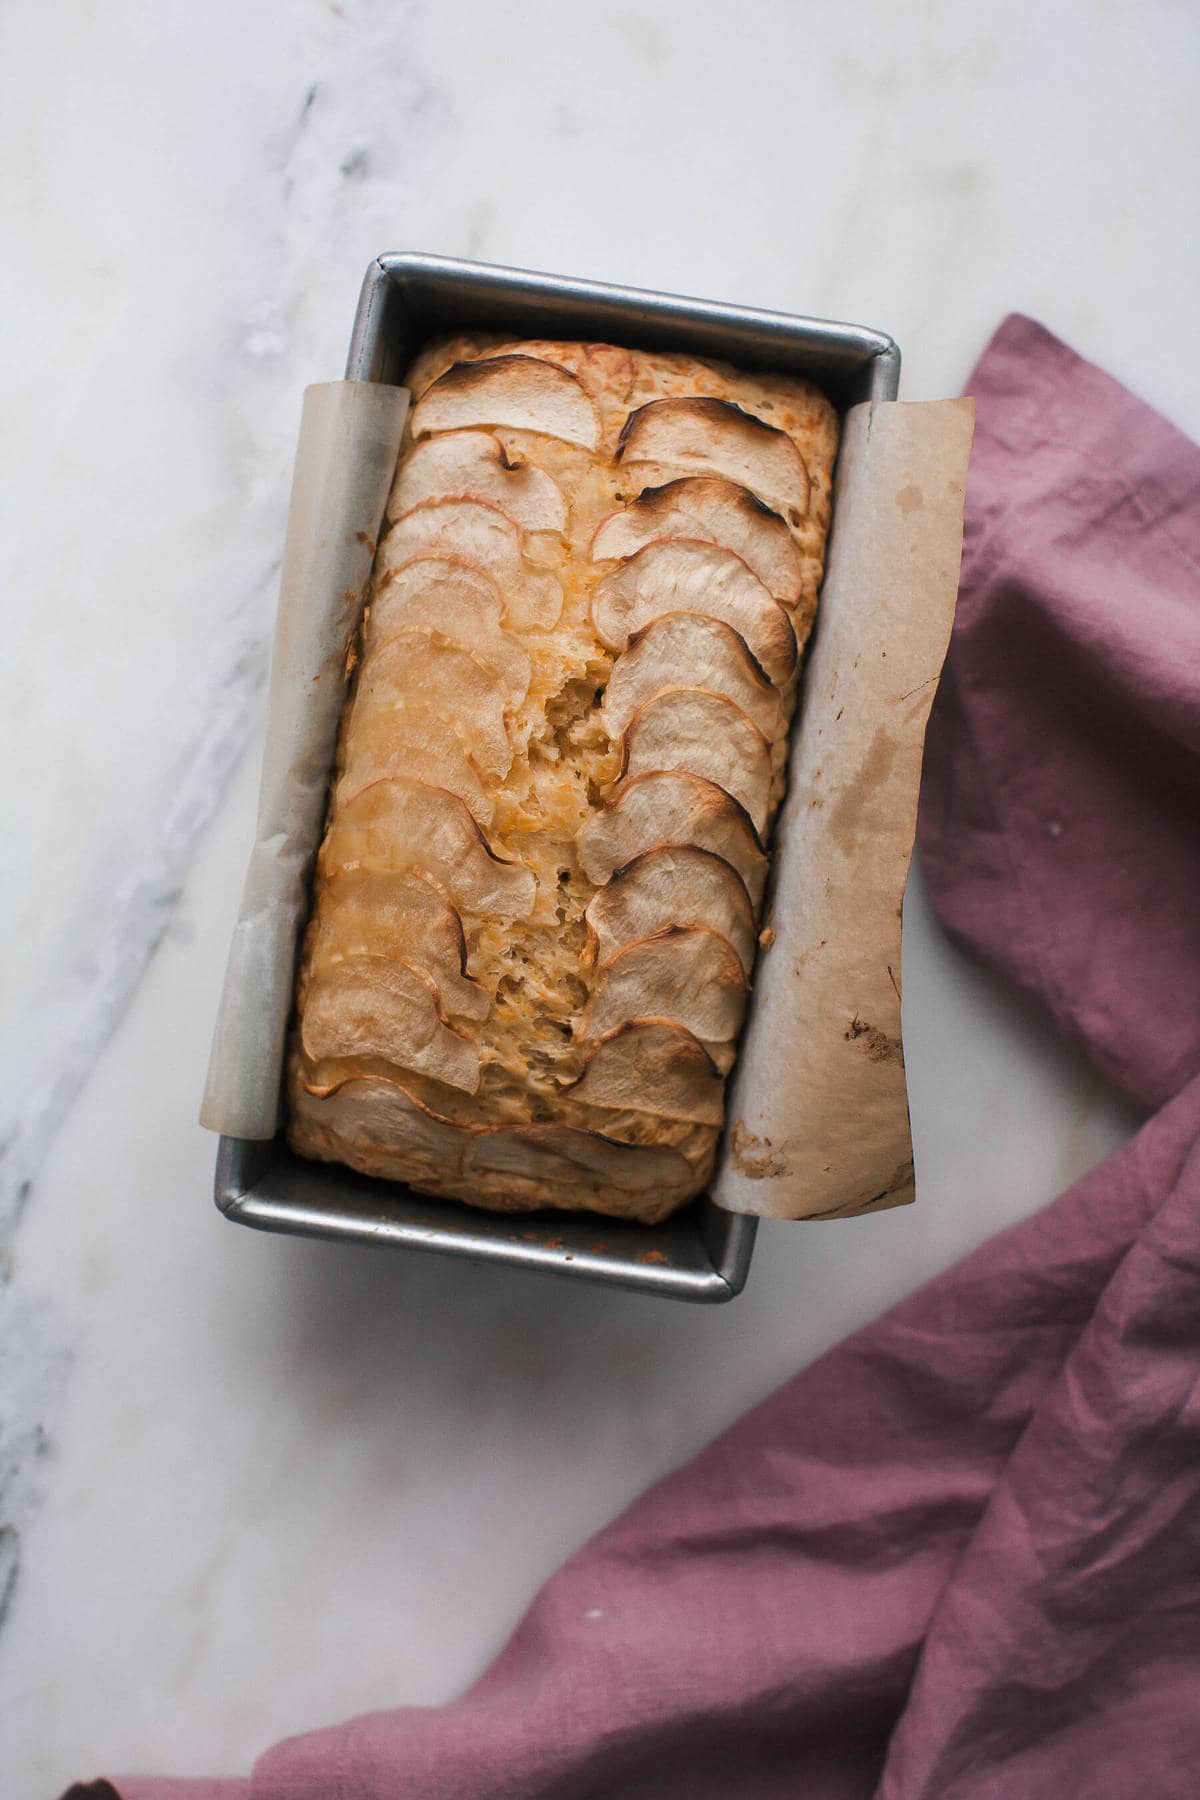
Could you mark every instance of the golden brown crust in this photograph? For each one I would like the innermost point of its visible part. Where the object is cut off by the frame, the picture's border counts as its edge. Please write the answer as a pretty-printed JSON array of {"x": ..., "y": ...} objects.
[{"x": 476, "y": 756}]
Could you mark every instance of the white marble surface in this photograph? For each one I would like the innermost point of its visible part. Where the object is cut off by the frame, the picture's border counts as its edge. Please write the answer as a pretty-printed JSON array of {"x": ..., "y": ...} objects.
[{"x": 254, "y": 1484}]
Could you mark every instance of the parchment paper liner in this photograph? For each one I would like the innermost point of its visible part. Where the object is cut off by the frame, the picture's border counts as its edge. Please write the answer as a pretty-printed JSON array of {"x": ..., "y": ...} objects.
[
  {"x": 818, "y": 1107},
  {"x": 345, "y": 459}
]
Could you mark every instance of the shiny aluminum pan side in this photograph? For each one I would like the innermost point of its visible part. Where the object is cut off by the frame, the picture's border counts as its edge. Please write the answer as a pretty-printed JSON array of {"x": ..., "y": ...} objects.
[{"x": 702, "y": 1253}]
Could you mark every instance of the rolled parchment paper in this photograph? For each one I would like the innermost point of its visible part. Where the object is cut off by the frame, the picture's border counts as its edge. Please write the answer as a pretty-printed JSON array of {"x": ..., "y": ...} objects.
[
  {"x": 346, "y": 457},
  {"x": 818, "y": 1112}
]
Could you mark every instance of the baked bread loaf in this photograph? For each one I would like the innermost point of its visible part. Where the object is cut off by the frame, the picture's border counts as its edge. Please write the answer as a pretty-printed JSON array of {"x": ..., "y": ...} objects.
[{"x": 536, "y": 905}]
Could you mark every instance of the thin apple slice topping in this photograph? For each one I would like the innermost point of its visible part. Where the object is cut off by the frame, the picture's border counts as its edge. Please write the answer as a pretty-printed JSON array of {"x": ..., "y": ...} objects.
[
  {"x": 476, "y": 533},
  {"x": 418, "y": 744},
  {"x": 685, "y": 976},
  {"x": 521, "y": 392},
  {"x": 679, "y": 575},
  {"x": 701, "y": 436},
  {"x": 712, "y": 510},
  {"x": 362, "y": 1117},
  {"x": 405, "y": 919},
  {"x": 473, "y": 465},
  {"x": 706, "y": 734},
  {"x": 367, "y": 1006},
  {"x": 690, "y": 650},
  {"x": 453, "y": 586},
  {"x": 651, "y": 1066},
  {"x": 457, "y": 605},
  {"x": 402, "y": 826},
  {"x": 571, "y": 1157},
  {"x": 676, "y": 884},
  {"x": 602, "y": 369},
  {"x": 412, "y": 675},
  {"x": 670, "y": 808},
  {"x": 362, "y": 1114}
]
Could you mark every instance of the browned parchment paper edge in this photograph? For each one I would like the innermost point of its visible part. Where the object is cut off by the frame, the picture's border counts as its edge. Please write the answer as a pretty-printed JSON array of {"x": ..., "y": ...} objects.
[{"x": 818, "y": 1111}]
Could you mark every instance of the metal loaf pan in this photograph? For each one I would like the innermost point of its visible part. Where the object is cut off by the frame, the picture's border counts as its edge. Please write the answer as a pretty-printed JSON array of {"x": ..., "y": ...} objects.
[{"x": 702, "y": 1253}]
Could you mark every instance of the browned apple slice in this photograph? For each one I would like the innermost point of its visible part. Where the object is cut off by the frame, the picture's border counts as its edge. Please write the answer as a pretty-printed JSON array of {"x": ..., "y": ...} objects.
[
  {"x": 600, "y": 368},
  {"x": 418, "y": 744},
  {"x": 405, "y": 919},
  {"x": 411, "y": 675},
  {"x": 706, "y": 734},
  {"x": 473, "y": 532},
  {"x": 377, "y": 1124},
  {"x": 522, "y": 392},
  {"x": 445, "y": 600},
  {"x": 714, "y": 437},
  {"x": 686, "y": 976},
  {"x": 567, "y": 1156},
  {"x": 674, "y": 885},
  {"x": 711, "y": 510},
  {"x": 362, "y": 1114},
  {"x": 678, "y": 575},
  {"x": 468, "y": 592},
  {"x": 690, "y": 650},
  {"x": 402, "y": 826},
  {"x": 671, "y": 808},
  {"x": 653, "y": 1067},
  {"x": 473, "y": 465},
  {"x": 368, "y": 1006}
]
